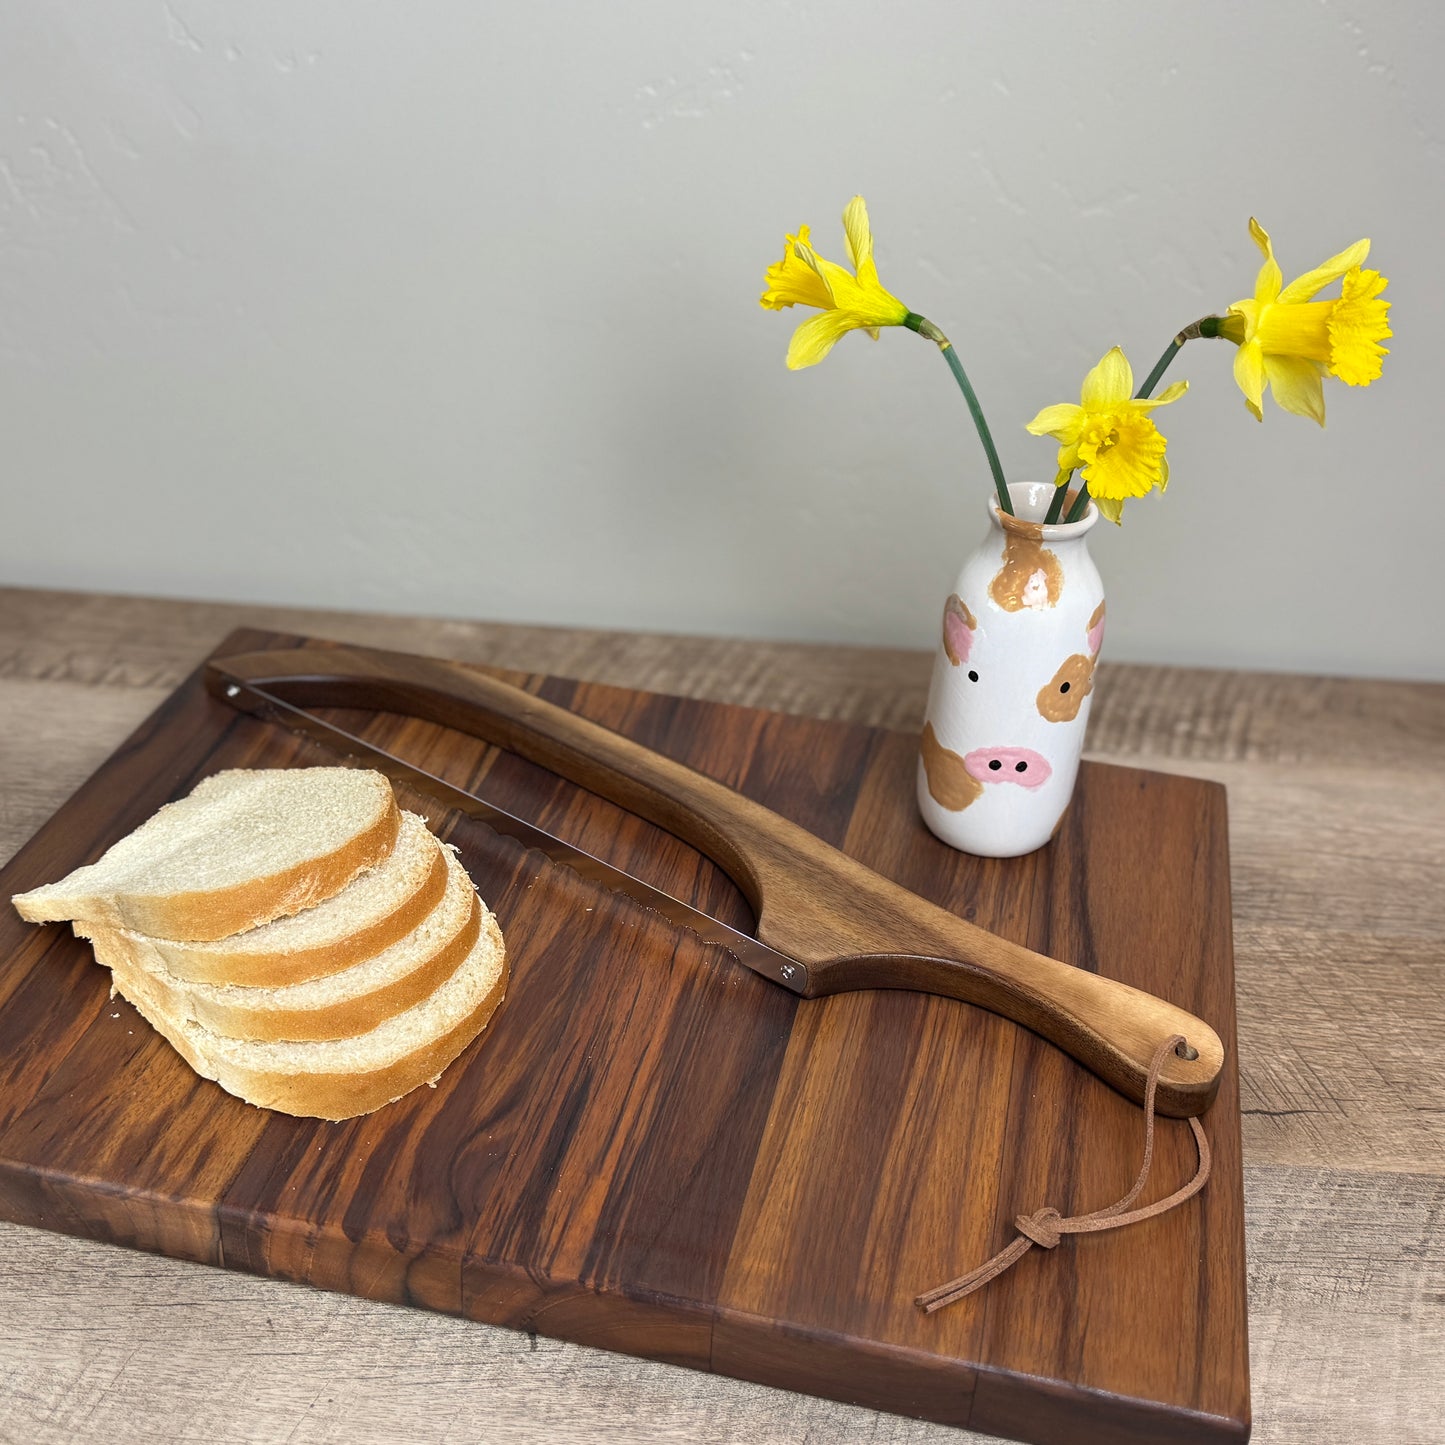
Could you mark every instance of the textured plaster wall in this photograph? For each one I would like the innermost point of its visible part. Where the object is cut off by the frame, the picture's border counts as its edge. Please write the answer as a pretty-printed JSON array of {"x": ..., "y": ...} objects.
[{"x": 450, "y": 307}]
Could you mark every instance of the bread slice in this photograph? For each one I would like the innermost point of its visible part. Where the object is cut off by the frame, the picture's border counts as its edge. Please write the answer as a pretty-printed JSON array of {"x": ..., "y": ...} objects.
[
  {"x": 340, "y": 1004},
  {"x": 245, "y": 846},
  {"x": 340, "y": 1078},
  {"x": 371, "y": 913}
]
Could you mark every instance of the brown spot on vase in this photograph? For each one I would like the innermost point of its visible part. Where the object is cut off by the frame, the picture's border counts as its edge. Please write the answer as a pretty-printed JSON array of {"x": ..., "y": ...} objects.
[
  {"x": 1060, "y": 699},
  {"x": 1096, "y": 630},
  {"x": 950, "y": 783},
  {"x": 958, "y": 628},
  {"x": 1031, "y": 575}
]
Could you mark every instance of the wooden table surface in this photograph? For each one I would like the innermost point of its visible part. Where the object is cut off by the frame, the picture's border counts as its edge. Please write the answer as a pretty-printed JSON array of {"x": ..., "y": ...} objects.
[{"x": 1337, "y": 831}]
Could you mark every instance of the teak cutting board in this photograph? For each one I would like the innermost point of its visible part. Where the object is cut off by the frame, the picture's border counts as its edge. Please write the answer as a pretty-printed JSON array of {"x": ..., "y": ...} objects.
[{"x": 652, "y": 1149}]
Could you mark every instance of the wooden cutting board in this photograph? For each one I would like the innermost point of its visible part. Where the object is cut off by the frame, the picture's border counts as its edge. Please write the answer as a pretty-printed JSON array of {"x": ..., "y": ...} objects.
[{"x": 655, "y": 1151}]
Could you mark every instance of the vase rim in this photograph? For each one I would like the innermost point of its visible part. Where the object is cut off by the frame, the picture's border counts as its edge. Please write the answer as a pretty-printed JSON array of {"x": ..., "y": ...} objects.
[{"x": 1035, "y": 497}]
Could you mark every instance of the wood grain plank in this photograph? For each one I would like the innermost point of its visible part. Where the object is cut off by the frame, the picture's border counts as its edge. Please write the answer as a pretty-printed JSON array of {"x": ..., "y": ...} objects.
[
  {"x": 846, "y": 926},
  {"x": 583, "y": 1172},
  {"x": 965, "y": 1190},
  {"x": 97, "y": 1331},
  {"x": 1277, "y": 720},
  {"x": 108, "y": 641},
  {"x": 329, "y": 1369},
  {"x": 53, "y": 736},
  {"x": 1144, "y": 713},
  {"x": 1340, "y": 1050},
  {"x": 1347, "y": 1311},
  {"x": 1339, "y": 907},
  {"x": 1347, "y": 1286}
]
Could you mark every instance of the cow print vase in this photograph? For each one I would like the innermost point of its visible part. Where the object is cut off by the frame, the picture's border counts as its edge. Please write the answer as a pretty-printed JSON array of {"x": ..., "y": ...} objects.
[{"x": 1012, "y": 679}]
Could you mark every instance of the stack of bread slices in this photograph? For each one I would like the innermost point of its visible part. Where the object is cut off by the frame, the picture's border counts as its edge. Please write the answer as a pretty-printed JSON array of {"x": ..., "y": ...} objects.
[{"x": 295, "y": 936}]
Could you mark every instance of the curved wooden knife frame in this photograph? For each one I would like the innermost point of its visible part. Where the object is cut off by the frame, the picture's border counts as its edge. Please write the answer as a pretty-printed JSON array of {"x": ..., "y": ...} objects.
[{"x": 850, "y": 927}]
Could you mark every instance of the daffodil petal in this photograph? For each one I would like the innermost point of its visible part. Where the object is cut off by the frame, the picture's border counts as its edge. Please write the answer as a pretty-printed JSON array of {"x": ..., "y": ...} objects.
[
  {"x": 847, "y": 300},
  {"x": 794, "y": 281},
  {"x": 862, "y": 294},
  {"x": 1267, "y": 282},
  {"x": 1305, "y": 286},
  {"x": 1297, "y": 385},
  {"x": 1242, "y": 321},
  {"x": 1172, "y": 392},
  {"x": 1163, "y": 474},
  {"x": 1057, "y": 420},
  {"x": 798, "y": 286},
  {"x": 872, "y": 303},
  {"x": 1249, "y": 376},
  {"x": 859, "y": 234},
  {"x": 837, "y": 279},
  {"x": 1110, "y": 507},
  {"x": 1109, "y": 383},
  {"x": 816, "y": 337},
  {"x": 1110, "y": 438}
]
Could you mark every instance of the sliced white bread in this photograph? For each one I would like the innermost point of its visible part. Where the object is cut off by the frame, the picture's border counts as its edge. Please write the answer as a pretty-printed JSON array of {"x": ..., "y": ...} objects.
[
  {"x": 337, "y": 1006},
  {"x": 340, "y": 1078},
  {"x": 244, "y": 847},
  {"x": 374, "y": 911}
]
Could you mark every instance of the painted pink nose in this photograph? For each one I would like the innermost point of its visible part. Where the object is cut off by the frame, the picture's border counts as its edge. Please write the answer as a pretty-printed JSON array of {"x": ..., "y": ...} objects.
[{"x": 1008, "y": 765}]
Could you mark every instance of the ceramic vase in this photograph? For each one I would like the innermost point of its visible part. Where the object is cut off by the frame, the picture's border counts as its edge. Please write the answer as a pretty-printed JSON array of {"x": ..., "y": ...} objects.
[{"x": 1012, "y": 681}]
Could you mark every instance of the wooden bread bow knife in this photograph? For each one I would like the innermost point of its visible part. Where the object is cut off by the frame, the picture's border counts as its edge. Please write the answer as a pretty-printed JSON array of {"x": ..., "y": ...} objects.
[{"x": 825, "y": 923}]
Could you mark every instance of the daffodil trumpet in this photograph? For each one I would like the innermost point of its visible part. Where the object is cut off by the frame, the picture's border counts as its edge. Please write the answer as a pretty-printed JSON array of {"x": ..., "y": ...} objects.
[
  {"x": 1287, "y": 341},
  {"x": 1109, "y": 437},
  {"x": 1290, "y": 342},
  {"x": 1205, "y": 326},
  {"x": 857, "y": 301}
]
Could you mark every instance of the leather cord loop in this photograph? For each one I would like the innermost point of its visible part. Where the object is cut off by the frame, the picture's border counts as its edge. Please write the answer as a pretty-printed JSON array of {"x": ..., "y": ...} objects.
[
  {"x": 1040, "y": 1228},
  {"x": 1045, "y": 1227}
]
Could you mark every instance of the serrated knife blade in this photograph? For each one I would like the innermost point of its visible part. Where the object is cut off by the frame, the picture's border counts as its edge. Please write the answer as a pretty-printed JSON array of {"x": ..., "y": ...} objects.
[{"x": 749, "y": 951}]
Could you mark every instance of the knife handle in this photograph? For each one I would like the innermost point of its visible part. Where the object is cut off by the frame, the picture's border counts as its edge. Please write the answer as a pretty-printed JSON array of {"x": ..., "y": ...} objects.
[{"x": 849, "y": 926}]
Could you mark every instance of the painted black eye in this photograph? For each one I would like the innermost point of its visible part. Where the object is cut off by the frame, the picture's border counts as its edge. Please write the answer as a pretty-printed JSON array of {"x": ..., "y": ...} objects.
[
  {"x": 995, "y": 764},
  {"x": 1021, "y": 767},
  {"x": 1063, "y": 687},
  {"x": 973, "y": 677}
]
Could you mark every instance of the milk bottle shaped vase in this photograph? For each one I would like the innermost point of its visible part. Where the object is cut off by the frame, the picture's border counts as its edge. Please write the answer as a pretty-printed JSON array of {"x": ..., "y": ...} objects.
[{"x": 1012, "y": 680}]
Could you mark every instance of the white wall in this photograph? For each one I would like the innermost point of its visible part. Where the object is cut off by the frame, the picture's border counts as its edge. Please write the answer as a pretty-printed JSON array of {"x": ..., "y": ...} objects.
[{"x": 451, "y": 307}]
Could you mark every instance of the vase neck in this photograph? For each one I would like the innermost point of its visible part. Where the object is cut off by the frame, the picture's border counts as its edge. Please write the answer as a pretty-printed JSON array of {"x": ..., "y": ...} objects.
[{"x": 1031, "y": 501}]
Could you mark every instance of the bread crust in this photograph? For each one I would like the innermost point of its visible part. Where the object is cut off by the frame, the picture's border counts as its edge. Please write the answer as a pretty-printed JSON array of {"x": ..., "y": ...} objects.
[
  {"x": 208, "y": 915},
  {"x": 339, "y": 1020},
  {"x": 219, "y": 1006},
  {"x": 276, "y": 970},
  {"x": 342, "y": 1095}
]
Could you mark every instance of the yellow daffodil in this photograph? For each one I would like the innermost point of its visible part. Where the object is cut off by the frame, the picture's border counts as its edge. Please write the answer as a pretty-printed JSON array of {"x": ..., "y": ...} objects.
[
  {"x": 1291, "y": 342},
  {"x": 1110, "y": 435},
  {"x": 848, "y": 301}
]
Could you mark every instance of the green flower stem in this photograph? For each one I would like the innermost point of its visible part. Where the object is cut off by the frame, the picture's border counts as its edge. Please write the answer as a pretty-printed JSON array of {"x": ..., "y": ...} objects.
[
  {"x": 925, "y": 328},
  {"x": 1081, "y": 502},
  {"x": 1061, "y": 490},
  {"x": 1205, "y": 326},
  {"x": 1160, "y": 367}
]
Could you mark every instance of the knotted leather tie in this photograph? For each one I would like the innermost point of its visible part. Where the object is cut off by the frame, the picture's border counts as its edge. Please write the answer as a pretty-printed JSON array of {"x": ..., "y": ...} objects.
[{"x": 1046, "y": 1226}]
